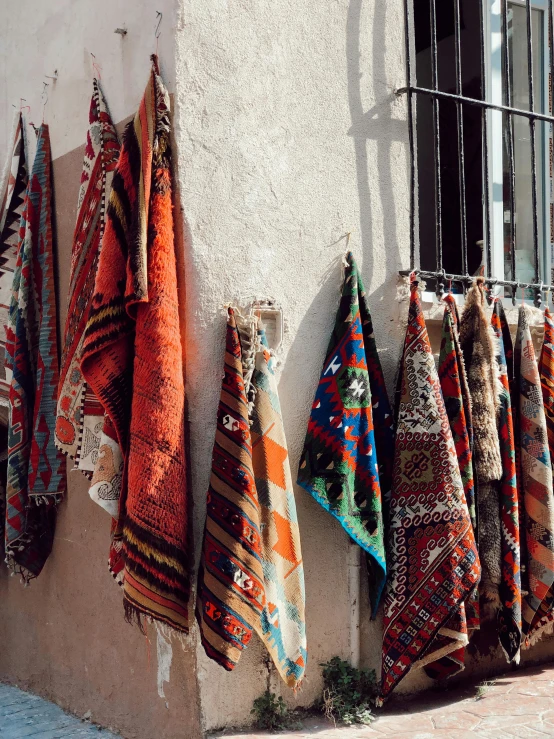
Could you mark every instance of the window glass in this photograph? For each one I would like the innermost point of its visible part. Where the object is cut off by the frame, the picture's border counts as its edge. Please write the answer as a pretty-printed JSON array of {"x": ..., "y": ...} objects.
[{"x": 519, "y": 84}]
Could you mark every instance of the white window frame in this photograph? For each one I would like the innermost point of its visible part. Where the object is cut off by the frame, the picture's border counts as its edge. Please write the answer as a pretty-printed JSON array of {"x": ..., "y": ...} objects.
[{"x": 493, "y": 71}]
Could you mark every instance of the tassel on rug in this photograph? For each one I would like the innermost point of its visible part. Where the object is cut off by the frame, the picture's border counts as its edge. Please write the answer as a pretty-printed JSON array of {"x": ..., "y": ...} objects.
[
  {"x": 433, "y": 563},
  {"x": 251, "y": 574},
  {"x": 36, "y": 469},
  {"x": 133, "y": 361}
]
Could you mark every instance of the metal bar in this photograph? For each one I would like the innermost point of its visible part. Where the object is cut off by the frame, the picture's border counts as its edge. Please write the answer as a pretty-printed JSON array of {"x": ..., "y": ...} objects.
[
  {"x": 485, "y": 144},
  {"x": 436, "y": 132},
  {"x": 510, "y": 141},
  {"x": 460, "y": 121},
  {"x": 410, "y": 130},
  {"x": 439, "y": 94},
  {"x": 533, "y": 139},
  {"x": 551, "y": 49},
  {"x": 469, "y": 279},
  {"x": 548, "y": 139}
]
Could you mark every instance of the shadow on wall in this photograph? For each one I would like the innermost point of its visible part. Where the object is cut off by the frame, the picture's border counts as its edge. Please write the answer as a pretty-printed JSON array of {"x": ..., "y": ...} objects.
[{"x": 378, "y": 125}]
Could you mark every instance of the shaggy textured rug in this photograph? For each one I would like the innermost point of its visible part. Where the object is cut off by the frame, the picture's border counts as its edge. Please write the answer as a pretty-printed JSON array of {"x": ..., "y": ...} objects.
[
  {"x": 509, "y": 613},
  {"x": 479, "y": 346},
  {"x": 251, "y": 576},
  {"x": 79, "y": 414},
  {"x": 339, "y": 464},
  {"x": 433, "y": 560},
  {"x": 132, "y": 360},
  {"x": 36, "y": 469},
  {"x": 535, "y": 478}
]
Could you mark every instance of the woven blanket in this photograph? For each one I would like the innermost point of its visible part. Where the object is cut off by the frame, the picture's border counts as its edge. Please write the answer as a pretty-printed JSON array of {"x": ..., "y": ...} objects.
[
  {"x": 339, "y": 464},
  {"x": 132, "y": 360},
  {"x": 457, "y": 399},
  {"x": 251, "y": 576},
  {"x": 10, "y": 217},
  {"x": 79, "y": 414},
  {"x": 36, "y": 469},
  {"x": 433, "y": 560},
  {"x": 543, "y": 620},
  {"x": 509, "y": 614},
  {"x": 13, "y": 199},
  {"x": 455, "y": 392},
  {"x": 535, "y": 478}
]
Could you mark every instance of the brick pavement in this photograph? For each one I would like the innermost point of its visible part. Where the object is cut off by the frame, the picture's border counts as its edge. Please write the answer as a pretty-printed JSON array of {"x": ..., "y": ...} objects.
[
  {"x": 24, "y": 715},
  {"x": 519, "y": 704}
]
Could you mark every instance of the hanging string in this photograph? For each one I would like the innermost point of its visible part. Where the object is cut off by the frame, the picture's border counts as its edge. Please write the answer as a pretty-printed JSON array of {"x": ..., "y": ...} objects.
[
  {"x": 96, "y": 67},
  {"x": 44, "y": 97},
  {"x": 157, "y": 32}
]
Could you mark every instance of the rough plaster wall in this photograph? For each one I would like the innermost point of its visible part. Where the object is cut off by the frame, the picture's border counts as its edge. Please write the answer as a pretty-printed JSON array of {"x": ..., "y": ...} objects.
[
  {"x": 65, "y": 636},
  {"x": 289, "y": 136},
  {"x": 39, "y": 37}
]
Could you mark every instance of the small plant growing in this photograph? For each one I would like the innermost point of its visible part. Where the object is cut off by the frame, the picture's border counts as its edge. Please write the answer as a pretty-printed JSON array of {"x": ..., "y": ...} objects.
[
  {"x": 348, "y": 692},
  {"x": 482, "y": 689},
  {"x": 272, "y": 713}
]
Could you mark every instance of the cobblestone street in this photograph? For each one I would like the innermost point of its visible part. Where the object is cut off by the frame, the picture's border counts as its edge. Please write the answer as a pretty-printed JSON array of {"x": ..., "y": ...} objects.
[
  {"x": 520, "y": 704},
  {"x": 24, "y": 715}
]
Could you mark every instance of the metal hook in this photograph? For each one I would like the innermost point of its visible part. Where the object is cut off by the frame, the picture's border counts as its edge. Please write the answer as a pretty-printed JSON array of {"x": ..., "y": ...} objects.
[{"x": 157, "y": 32}]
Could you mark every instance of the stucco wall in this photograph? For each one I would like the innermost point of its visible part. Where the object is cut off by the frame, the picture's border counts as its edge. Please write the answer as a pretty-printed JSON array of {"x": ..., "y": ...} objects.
[
  {"x": 289, "y": 136},
  {"x": 65, "y": 636}
]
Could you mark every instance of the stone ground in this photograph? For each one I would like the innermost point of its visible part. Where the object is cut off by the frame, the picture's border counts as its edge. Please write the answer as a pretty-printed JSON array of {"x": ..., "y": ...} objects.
[
  {"x": 520, "y": 704},
  {"x": 24, "y": 715}
]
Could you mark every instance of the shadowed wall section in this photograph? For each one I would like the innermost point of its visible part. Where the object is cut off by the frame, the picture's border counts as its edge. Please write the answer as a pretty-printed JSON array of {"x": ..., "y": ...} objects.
[{"x": 65, "y": 636}]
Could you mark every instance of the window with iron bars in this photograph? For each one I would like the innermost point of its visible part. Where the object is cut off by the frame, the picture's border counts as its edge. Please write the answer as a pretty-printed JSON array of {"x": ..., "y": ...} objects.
[{"x": 479, "y": 89}]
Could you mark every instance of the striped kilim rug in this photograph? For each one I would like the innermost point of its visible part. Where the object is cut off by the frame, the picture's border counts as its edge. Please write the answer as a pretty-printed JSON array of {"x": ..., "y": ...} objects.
[
  {"x": 36, "y": 469},
  {"x": 535, "y": 477},
  {"x": 11, "y": 210},
  {"x": 133, "y": 361},
  {"x": 10, "y": 217},
  {"x": 543, "y": 620},
  {"x": 79, "y": 414},
  {"x": 509, "y": 615},
  {"x": 251, "y": 576}
]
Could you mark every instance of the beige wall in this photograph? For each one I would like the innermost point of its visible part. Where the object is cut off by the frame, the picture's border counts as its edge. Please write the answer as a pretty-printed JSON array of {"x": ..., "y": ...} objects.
[
  {"x": 288, "y": 135},
  {"x": 65, "y": 636}
]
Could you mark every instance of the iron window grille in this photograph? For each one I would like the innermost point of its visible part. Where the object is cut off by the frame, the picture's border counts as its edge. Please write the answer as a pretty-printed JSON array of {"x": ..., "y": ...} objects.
[{"x": 480, "y": 105}]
